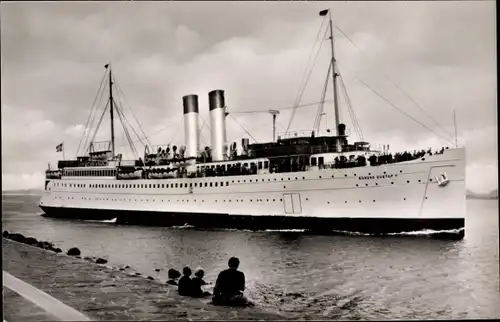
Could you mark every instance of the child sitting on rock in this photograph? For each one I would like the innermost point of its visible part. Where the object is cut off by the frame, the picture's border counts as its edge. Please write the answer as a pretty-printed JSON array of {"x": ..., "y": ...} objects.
[
  {"x": 173, "y": 275},
  {"x": 185, "y": 283},
  {"x": 198, "y": 282}
]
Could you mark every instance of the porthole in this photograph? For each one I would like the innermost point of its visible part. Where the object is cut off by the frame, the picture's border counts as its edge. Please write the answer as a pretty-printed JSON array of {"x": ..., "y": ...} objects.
[
  {"x": 407, "y": 181},
  {"x": 320, "y": 177},
  {"x": 346, "y": 201},
  {"x": 392, "y": 182},
  {"x": 281, "y": 199},
  {"x": 296, "y": 178},
  {"x": 419, "y": 180},
  {"x": 328, "y": 202},
  {"x": 281, "y": 179},
  {"x": 333, "y": 176},
  {"x": 360, "y": 201},
  {"x": 354, "y": 174},
  {"x": 357, "y": 185},
  {"x": 307, "y": 199},
  {"x": 404, "y": 198},
  {"x": 366, "y": 184},
  {"x": 345, "y": 175},
  {"x": 430, "y": 180},
  {"x": 373, "y": 200},
  {"x": 400, "y": 171}
]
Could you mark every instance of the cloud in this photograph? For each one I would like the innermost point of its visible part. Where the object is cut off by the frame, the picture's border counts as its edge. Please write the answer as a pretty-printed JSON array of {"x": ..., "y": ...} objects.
[{"x": 53, "y": 56}]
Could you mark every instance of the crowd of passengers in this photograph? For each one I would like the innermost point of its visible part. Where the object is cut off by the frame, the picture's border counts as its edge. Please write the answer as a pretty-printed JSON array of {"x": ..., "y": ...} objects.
[
  {"x": 228, "y": 289},
  {"x": 295, "y": 165}
]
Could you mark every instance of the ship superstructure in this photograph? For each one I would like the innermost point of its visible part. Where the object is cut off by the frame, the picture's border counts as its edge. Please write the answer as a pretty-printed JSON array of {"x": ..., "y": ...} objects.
[{"x": 315, "y": 181}]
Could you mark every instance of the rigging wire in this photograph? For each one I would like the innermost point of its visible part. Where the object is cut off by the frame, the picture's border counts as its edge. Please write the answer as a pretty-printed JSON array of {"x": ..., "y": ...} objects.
[
  {"x": 99, "y": 124},
  {"x": 319, "y": 114},
  {"x": 307, "y": 80},
  {"x": 131, "y": 110},
  {"x": 243, "y": 128},
  {"x": 87, "y": 142},
  {"x": 127, "y": 134},
  {"x": 132, "y": 128},
  {"x": 397, "y": 86},
  {"x": 395, "y": 106},
  {"x": 306, "y": 68},
  {"x": 350, "y": 109},
  {"x": 99, "y": 90}
]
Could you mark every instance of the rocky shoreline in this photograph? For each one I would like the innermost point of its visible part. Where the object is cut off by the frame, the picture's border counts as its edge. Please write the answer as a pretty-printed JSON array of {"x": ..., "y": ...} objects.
[{"x": 106, "y": 292}]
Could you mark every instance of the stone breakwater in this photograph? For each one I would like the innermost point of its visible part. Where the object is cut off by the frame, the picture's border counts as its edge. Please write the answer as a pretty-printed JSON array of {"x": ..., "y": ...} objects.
[{"x": 108, "y": 293}]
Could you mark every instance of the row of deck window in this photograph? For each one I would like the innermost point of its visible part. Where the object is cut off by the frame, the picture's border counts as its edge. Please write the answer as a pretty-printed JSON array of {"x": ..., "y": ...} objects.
[{"x": 89, "y": 173}]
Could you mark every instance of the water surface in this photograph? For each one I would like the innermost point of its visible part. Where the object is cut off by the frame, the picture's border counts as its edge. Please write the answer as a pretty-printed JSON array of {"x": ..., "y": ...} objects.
[{"x": 300, "y": 275}]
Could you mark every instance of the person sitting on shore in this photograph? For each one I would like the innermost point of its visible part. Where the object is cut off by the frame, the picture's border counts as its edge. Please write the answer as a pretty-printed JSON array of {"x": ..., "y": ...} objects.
[
  {"x": 230, "y": 285},
  {"x": 173, "y": 275},
  {"x": 185, "y": 283},
  {"x": 198, "y": 282}
]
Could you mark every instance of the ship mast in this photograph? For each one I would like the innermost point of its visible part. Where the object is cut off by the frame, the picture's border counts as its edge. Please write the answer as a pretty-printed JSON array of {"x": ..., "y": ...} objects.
[
  {"x": 334, "y": 69},
  {"x": 111, "y": 110}
]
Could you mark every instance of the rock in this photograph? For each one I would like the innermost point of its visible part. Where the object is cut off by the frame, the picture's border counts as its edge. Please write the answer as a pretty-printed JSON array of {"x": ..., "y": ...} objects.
[
  {"x": 73, "y": 252},
  {"x": 150, "y": 278},
  {"x": 80, "y": 257},
  {"x": 101, "y": 261},
  {"x": 48, "y": 245},
  {"x": 295, "y": 295},
  {"x": 5, "y": 234},
  {"x": 31, "y": 241},
  {"x": 57, "y": 250},
  {"x": 157, "y": 269},
  {"x": 122, "y": 269},
  {"x": 137, "y": 273},
  {"x": 126, "y": 266},
  {"x": 18, "y": 238},
  {"x": 88, "y": 259}
]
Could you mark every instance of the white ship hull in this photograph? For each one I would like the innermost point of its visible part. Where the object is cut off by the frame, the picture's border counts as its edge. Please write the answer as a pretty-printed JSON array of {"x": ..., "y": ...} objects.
[{"x": 391, "y": 198}]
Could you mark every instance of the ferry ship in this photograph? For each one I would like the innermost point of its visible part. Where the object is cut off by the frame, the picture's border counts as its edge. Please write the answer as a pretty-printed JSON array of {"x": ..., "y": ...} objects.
[{"x": 315, "y": 181}]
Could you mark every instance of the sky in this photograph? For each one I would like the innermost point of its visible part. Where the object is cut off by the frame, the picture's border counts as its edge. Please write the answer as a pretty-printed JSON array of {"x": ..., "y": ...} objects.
[{"x": 428, "y": 59}]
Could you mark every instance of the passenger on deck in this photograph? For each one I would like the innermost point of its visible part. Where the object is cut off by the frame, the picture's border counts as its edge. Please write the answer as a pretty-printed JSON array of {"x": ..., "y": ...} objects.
[
  {"x": 173, "y": 275},
  {"x": 198, "y": 282},
  {"x": 185, "y": 283},
  {"x": 230, "y": 285}
]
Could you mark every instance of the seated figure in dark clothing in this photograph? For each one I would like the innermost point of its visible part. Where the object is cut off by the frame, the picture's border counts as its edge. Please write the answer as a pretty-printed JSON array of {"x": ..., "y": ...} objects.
[
  {"x": 198, "y": 282},
  {"x": 173, "y": 275},
  {"x": 230, "y": 285},
  {"x": 185, "y": 283}
]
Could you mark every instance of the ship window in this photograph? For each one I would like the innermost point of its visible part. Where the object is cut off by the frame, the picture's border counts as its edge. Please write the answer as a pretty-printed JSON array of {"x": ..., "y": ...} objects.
[
  {"x": 190, "y": 185},
  {"x": 210, "y": 184},
  {"x": 252, "y": 164},
  {"x": 206, "y": 184},
  {"x": 313, "y": 161},
  {"x": 245, "y": 164},
  {"x": 216, "y": 184},
  {"x": 176, "y": 185},
  {"x": 154, "y": 185},
  {"x": 227, "y": 183},
  {"x": 321, "y": 161},
  {"x": 196, "y": 184},
  {"x": 163, "y": 185},
  {"x": 260, "y": 165},
  {"x": 266, "y": 164},
  {"x": 150, "y": 185}
]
